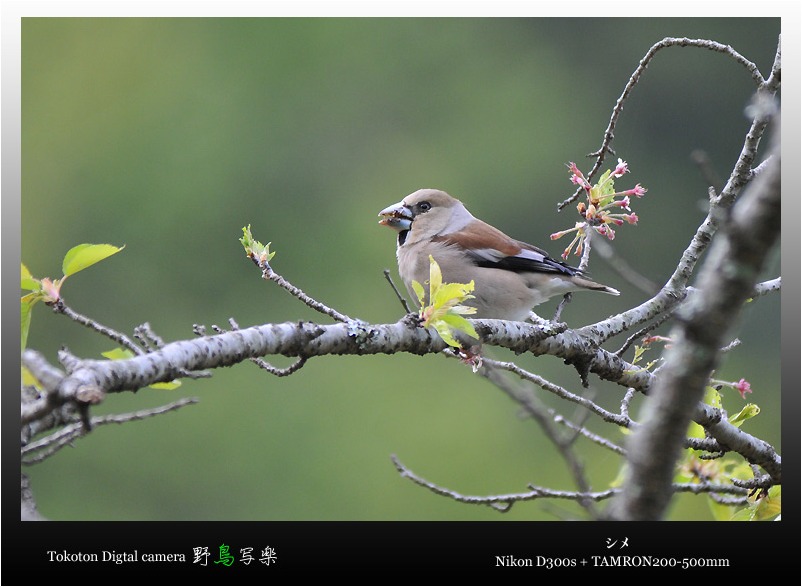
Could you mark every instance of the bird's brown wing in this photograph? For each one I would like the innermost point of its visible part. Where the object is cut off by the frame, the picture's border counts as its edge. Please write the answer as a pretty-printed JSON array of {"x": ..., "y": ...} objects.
[{"x": 489, "y": 247}]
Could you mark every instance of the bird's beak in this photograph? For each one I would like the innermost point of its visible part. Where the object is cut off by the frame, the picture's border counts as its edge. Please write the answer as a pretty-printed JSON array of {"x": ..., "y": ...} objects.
[{"x": 397, "y": 216}]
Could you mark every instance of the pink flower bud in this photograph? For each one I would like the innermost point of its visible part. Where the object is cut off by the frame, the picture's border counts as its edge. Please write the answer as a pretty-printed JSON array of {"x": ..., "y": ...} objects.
[
  {"x": 655, "y": 338},
  {"x": 631, "y": 218},
  {"x": 51, "y": 290},
  {"x": 606, "y": 230},
  {"x": 576, "y": 176},
  {"x": 743, "y": 387},
  {"x": 638, "y": 191},
  {"x": 620, "y": 169},
  {"x": 555, "y": 235}
]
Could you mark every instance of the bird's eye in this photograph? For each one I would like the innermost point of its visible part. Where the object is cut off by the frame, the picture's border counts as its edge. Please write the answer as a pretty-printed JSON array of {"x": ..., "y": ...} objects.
[{"x": 424, "y": 206}]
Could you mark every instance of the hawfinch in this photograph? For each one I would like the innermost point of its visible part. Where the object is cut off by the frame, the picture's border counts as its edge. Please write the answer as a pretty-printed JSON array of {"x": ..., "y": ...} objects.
[{"x": 510, "y": 276}]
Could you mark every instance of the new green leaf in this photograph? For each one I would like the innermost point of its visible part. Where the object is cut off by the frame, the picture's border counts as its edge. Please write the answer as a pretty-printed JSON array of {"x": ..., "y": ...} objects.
[
  {"x": 748, "y": 411},
  {"x": 26, "y": 304},
  {"x": 445, "y": 309},
  {"x": 27, "y": 281},
  {"x": 118, "y": 354},
  {"x": 255, "y": 250},
  {"x": 82, "y": 256}
]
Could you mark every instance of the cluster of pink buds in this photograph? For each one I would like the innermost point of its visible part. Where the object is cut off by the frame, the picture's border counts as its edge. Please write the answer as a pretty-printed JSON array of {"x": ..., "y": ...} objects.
[{"x": 604, "y": 207}]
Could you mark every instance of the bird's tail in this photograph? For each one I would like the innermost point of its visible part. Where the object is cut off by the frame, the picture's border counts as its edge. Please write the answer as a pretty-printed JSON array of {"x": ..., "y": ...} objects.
[{"x": 592, "y": 285}]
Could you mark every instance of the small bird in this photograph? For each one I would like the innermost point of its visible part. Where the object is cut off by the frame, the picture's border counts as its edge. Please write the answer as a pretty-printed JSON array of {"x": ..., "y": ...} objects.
[{"x": 510, "y": 277}]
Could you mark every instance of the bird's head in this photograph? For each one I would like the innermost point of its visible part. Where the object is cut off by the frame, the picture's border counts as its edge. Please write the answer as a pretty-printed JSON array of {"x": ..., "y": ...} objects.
[{"x": 426, "y": 212}]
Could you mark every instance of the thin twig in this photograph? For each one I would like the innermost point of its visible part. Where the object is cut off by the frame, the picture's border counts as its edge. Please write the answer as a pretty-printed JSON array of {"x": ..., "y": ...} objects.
[
  {"x": 626, "y": 401},
  {"x": 61, "y": 308},
  {"x": 705, "y": 166},
  {"x": 585, "y": 260},
  {"x": 561, "y": 392},
  {"x": 268, "y": 273},
  {"x": 581, "y": 430},
  {"x": 151, "y": 341},
  {"x": 729, "y": 501},
  {"x": 51, "y": 444},
  {"x": 617, "y": 263},
  {"x": 641, "y": 333},
  {"x": 261, "y": 363},
  {"x": 539, "y": 413},
  {"x": 709, "y": 445},
  {"x": 503, "y": 502},
  {"x": 706, "y": 487},
  {"x": 676, "y": 288},
  {"x": 606, "y": 146},
  {"x": 401, "y": 298},
  {"x": 583, "y": 266},
  {"x": 278, "y": 372},
  {"x": 566, "y": 299},
  {"x": 148, "y": 337},
  {"x": 736, "y": 342}
]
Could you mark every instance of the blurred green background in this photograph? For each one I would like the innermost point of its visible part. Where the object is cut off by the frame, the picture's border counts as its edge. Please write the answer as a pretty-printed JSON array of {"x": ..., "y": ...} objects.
[{"x": 170, "y": 135}]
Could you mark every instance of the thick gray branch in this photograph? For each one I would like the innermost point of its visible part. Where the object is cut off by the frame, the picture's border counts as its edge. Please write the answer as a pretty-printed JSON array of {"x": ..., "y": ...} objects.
[
  {"x": 91, "y": 378},
  {"x": 726, "y": 281}
]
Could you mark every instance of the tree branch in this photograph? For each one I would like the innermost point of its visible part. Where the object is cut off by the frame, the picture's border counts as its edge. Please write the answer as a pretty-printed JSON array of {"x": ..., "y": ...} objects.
[
  {"x": 309, "y": 340},
  {"x": 48, "y": 446},
  {"x": 504, "y": 502},
  {"x": 605, "y": 148},
  {"x": 726, "y": 280},
  {"x": 540, "y": 413}
]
